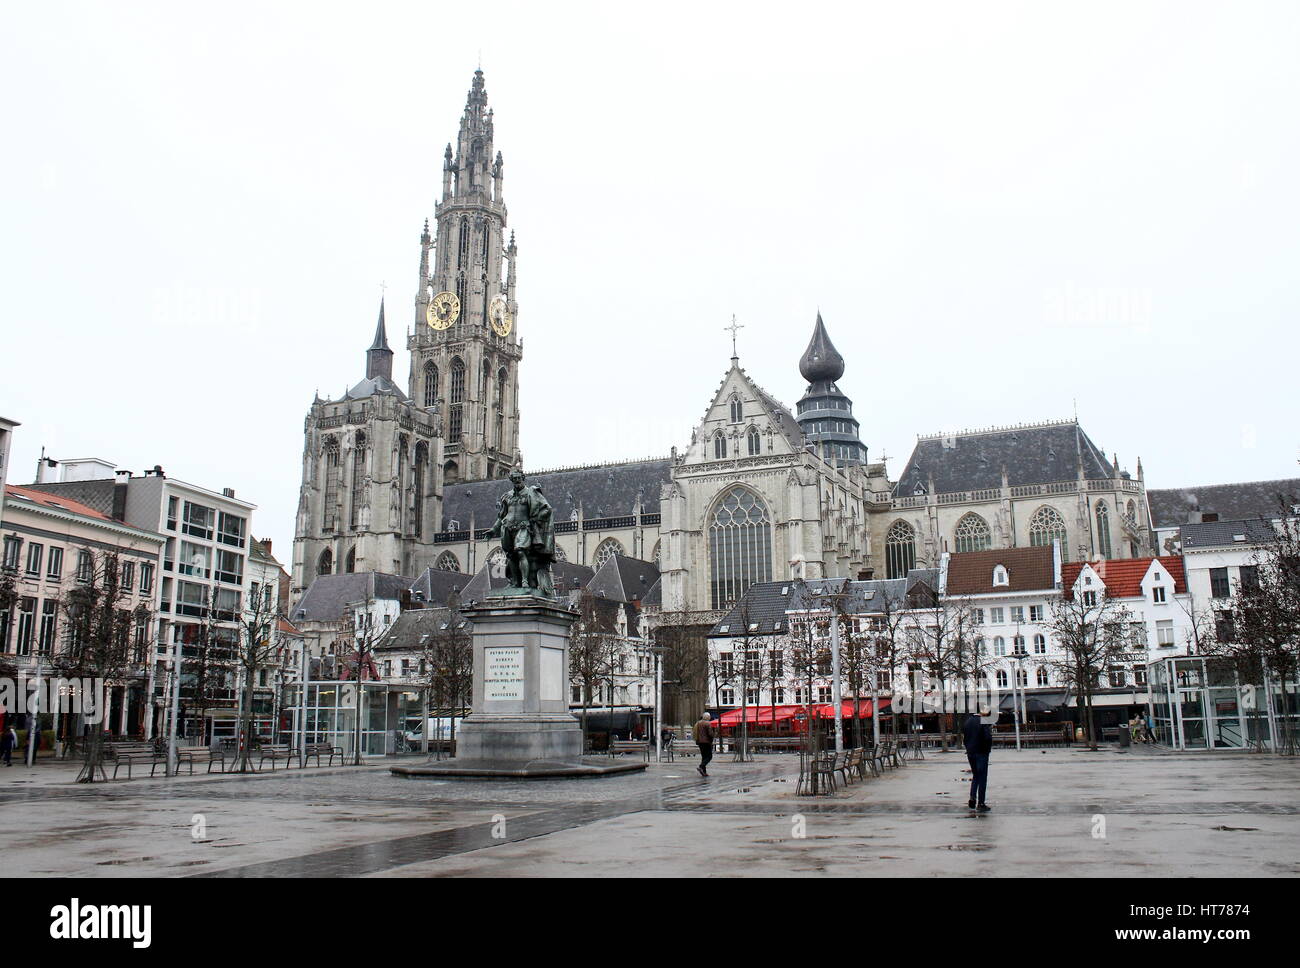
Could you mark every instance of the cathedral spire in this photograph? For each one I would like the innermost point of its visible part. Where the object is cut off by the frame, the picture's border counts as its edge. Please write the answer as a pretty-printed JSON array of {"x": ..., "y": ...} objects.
[
  {"x": 821, "y": 360},
  {"x": 379, "y": 358},
  {"x": 825, "y": 414}
]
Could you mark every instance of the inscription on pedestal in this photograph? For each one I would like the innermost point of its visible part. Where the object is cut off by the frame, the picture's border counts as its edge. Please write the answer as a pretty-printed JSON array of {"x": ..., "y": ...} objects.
[{"x": 503, "y": 674}]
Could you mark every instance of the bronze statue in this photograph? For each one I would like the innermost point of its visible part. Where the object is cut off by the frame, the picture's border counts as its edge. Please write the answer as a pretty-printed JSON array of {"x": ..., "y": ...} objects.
[{"x": 527, "y": 537}]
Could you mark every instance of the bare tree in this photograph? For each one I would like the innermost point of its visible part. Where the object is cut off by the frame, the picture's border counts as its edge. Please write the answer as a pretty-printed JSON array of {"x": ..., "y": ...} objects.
[
  {"x": 1093, "y": 631},
  {"x": 1265, "y": 619},
  {"x": 259, "y": 646},
  {"x": 941, "y": 641},
  {"x": 364, "y": 633},
  {"x": 447, "y": 658},
  {"x": 593, "y": 648},
  {"x": 97, "y": 632},
  {"x": 685, "y": 662}
]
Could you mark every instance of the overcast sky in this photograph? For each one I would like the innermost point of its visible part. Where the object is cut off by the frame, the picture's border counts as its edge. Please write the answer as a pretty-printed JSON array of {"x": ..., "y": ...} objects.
[{"x": 1003, "y": 211}]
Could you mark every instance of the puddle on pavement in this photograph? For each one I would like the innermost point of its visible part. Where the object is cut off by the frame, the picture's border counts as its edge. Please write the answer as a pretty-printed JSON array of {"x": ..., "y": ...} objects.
[{"x": 968, "y": 847}]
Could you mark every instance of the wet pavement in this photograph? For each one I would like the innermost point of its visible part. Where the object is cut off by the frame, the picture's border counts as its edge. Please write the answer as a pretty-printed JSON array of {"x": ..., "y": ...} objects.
[{"x": 1060, "y": 812}]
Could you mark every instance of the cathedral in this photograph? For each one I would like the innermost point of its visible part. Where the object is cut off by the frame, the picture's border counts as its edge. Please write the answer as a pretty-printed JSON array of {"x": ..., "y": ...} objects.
[{"x": 398, "y": 481}]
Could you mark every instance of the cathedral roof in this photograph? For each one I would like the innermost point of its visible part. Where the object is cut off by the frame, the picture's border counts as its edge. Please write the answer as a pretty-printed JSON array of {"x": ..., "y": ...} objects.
[
  {"x": 603, "y": 490},
  {"x": 373, "y": 386},
  {"x": 972, "y": 461},
  {"x": 821, "y": 360},
  {"x": 1171, "y": 507}
]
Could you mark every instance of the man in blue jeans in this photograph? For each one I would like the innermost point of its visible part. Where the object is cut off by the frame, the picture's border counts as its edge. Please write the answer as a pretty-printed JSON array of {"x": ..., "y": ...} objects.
[{"x": 978, "y": 736}]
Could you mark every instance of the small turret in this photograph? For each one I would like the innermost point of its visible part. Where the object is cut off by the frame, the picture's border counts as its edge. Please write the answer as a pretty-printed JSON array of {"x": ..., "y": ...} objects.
[{"x": 379, "y": 358}]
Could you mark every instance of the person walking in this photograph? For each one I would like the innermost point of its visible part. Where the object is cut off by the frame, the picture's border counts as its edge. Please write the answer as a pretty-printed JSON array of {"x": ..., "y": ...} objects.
[
  {"x": 704, "y": 739},
  {"x": 8, "y": 743},
  {"x": 978, "y": 737}
]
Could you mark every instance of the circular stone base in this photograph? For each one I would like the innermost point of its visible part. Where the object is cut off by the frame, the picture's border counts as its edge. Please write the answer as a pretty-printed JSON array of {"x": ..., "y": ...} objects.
[{"x": 522, "y": 770}]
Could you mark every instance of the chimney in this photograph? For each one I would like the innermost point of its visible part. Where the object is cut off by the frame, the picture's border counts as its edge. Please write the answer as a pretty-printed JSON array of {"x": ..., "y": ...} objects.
[
  {"x": 227, "y": 492},
  {"x": 266, "y": 543}
]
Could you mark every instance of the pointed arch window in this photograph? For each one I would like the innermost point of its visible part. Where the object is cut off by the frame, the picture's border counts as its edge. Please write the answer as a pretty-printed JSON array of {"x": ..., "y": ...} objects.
[
  {"x": 447, "y": 562},
  {"x": 719, "y": 446},
  {"x": 1103, "y": 530},
  {"x": 740, "y": 545},
  {"x": 754, "y": 443},
  {"x": 350, "y": 563},
  {"x": 1130, "y": 512},
  {"x": 501, "y": 388},
  {"x": 1047, "y": 526},
  {"x": 973, "y": 533},
  {"x": 606, "y": 550},
  {"x": 430, "y": 385},
  {"x": 329, "y": 511},
  {"x": 487, "y": 236},
  {"x": 460, "y": 292},
  {"x": 457, "y": 390},
  {"x": 900, "y": 550},
  {"x": 464, "y": 245},
  {"x": 737, "y": 409},
  {"x": 358, "y": 478},
  {"x": 325, "y": 563},
  {"x": 454, "y": 426},
  {"x": 417, "y": 485}
]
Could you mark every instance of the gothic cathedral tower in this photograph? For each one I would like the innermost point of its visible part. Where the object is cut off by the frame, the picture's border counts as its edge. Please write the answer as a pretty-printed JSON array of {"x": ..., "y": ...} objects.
[{"x": 465, "y": 350}]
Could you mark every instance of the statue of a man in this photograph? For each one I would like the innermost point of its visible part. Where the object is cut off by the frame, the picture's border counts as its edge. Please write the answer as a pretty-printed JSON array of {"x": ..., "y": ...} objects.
[{"x": 527, "y": 537}]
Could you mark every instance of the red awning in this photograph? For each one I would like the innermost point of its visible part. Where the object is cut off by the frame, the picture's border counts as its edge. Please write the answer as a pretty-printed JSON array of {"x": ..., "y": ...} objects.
[
  {"x": 864, "y": 708},
  {"x": 758, "y": 714},
  {"x": 770, "y": 714}
]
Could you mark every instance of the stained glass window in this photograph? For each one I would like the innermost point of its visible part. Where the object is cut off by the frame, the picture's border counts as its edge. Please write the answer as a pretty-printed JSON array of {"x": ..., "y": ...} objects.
[{"x": 740, "y": 546}]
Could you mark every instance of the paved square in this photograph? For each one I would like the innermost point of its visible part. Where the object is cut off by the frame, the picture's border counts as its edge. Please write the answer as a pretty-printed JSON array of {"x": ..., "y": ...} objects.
[{"x": 1056, "y": 813}]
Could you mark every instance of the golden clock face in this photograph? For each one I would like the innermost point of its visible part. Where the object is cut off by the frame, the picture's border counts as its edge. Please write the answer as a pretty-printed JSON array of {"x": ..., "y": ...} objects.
[
  {"x": 444, "y": 309},
  {"x": 500, "y": 319}
]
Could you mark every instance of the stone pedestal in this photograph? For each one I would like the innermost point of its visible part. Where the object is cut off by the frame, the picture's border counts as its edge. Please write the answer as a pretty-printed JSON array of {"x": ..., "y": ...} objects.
[{"x": 520, "y": 725}]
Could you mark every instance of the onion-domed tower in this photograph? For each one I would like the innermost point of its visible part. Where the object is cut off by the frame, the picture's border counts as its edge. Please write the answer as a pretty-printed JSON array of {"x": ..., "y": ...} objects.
[{"x": 825, "y": 414}]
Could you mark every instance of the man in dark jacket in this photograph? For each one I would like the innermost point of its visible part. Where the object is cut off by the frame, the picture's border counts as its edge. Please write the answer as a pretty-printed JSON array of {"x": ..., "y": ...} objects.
[
  {"x": 704, "y": 739},
  {"x": 978, "y": 736}
]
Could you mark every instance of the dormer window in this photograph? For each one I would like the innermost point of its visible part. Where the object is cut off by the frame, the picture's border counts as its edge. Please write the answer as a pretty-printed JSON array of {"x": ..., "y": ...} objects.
[
  {"x": 1000, "y": 576},
  {"x": 736, "y": 408},
  {"x": 1158, "y": 594}
]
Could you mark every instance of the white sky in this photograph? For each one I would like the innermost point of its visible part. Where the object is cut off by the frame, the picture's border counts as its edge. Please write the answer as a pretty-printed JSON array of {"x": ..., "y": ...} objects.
[{"x": 200, "y": 202}]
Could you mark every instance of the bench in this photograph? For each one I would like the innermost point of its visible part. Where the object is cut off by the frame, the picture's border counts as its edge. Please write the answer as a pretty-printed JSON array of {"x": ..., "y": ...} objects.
[
  {"x": 200, "y": 754},
  {"x": 621, "y": 746},
  {"x": 318, "y": 750},
  {"x": 130, "y": 758},
  {"x": 276, "y": 753},
  {"x": 776, "y": 744}
]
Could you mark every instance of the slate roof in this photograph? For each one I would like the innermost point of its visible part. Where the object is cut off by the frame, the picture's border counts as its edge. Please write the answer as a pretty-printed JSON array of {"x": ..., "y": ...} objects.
[
  {"x": 624, "y": 579},
  {"x": 408, "y": 632},
  {"x": 1040, "y": 454},
  {"x": 59, "y": 502},
  {"x": 371, "y": 386},
  {"x": 1223, "y": 534},
  {"x": 768, "y": 603},
  {"x": 1171, "y": 507},
  {"x": 327, "y": 596},
  {"x": 1123, "y": 576},
  {"x": 971, "y": 572},
  {"x": 97, "y": 495},
  {"x": 603, "y": 490},
  {"x": 56, "y": 501},
  {"x": 439, "y": 586}
]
